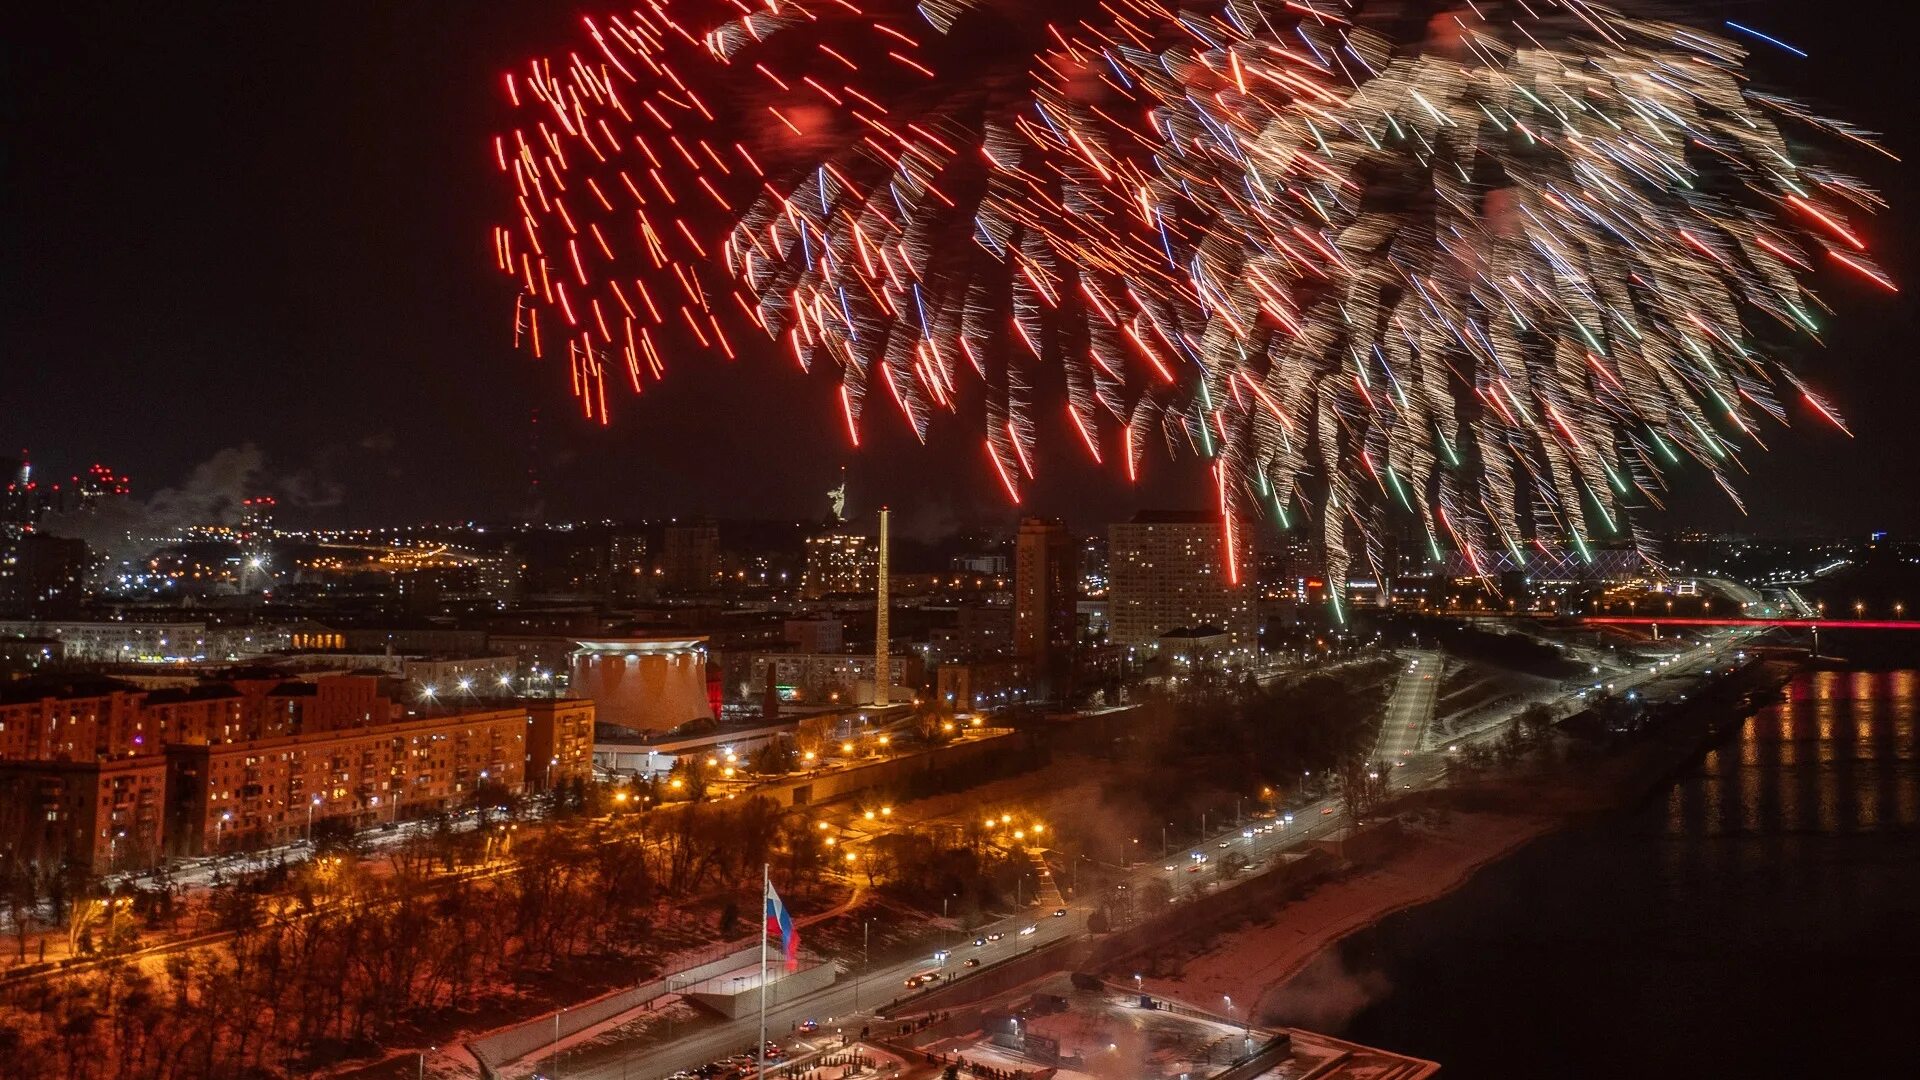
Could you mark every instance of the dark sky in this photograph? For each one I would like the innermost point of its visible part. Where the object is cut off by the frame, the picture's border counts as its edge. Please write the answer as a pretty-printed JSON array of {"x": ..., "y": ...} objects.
[{"x": 266, "y": 223}]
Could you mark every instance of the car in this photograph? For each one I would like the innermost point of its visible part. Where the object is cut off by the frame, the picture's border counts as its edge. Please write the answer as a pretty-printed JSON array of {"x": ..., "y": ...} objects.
[
  {"x": 809, "y": 1026},
  {"x": 1326, "y": 810},
  {"x": 978, "y": 942},
  {"x": 1030, "y": 928},
  {"x": 1289, "y": 818},
  {"x": 1060, "y": 913},
  {"x": 972, "y": 961},
  {"x": 995, "y": 936},
  {"x": 1169, "y": 866},
  {"x": 1194, "y": 869},
  {"x": 940, "y": 956},
  {"x": 1247, "y": 834},
  {"x": 1224, "y": 843}
]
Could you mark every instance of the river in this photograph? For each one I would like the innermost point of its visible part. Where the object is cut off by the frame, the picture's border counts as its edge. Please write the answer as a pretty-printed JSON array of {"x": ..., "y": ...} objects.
[{"x": 1760, "y": 916}]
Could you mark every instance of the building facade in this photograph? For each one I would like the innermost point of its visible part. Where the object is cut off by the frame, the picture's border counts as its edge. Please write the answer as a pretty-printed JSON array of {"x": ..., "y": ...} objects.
[
  {"x": 101, "y": 815},
  {"x": 828, "y": 678},
  {"x": 111, "y": 777},
  {"x": 839, "y": 564},
  {"x": 1045, "y": 586},
  {"x": 1168, "y": 571},
  {"x": 268, "y": 791},
  {"x": 644, "y": 683},
  {"x": 690, "y": 557}
]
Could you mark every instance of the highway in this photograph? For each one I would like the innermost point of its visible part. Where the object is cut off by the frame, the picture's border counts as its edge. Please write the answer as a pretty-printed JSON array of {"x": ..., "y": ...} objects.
[
  {"x": 835, "y": 1006},
  {"x": 849, "y": 1003},
  {"x": 1410, "y": 709}
]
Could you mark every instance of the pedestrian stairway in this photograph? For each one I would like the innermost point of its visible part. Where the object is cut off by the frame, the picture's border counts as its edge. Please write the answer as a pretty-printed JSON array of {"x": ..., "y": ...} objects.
[{"x": 1046, "y": 893}]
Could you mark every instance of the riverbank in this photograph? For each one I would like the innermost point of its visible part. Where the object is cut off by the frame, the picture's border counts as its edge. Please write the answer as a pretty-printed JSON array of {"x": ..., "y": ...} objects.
[
  {"x": 1752, "y": 918},
  {"x": 1257, "y": 962},
  {"x": 1447, "y": 835}
]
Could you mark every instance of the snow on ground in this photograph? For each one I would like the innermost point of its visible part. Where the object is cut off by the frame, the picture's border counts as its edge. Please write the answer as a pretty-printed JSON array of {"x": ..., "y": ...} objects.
[
  {"x": 1254, "y": 963},
  {"x": 1110, "y": 1037}
]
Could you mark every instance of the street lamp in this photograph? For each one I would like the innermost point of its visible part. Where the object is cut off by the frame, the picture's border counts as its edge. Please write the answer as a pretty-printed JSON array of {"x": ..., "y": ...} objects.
[{"x": 866, "y": 926}]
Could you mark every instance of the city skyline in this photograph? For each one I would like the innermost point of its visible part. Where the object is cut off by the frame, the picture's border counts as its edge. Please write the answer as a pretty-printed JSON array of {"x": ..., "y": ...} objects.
[{"x": 958, "y": 540}]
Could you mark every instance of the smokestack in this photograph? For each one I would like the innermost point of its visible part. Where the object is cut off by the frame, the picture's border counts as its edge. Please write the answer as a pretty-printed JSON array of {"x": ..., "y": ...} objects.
[{"x": 882, "y": 629}]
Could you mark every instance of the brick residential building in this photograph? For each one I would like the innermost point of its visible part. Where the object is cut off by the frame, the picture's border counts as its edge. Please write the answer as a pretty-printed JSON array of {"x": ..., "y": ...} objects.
[
  {"x": 104, "y": 775},
  {"x": 104, "y": 815}
]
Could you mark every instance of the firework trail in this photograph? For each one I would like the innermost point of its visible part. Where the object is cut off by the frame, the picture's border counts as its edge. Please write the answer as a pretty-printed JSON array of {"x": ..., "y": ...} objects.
[{"x": 1494, "y": 267}]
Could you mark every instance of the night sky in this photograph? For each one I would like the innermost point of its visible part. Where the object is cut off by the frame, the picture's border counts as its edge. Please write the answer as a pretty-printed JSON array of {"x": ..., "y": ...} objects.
[{"x": 267, "y": 224}]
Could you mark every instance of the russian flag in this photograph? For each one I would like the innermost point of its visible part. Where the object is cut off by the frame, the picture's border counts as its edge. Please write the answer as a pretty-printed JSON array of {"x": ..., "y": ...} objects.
[{"x": 780, "y": 921}]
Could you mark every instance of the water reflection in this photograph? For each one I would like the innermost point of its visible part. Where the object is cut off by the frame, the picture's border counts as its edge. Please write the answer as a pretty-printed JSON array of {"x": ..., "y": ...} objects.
[
  {"x": 1756, "y": 920},
  {"x": 1835, "y": 755}
]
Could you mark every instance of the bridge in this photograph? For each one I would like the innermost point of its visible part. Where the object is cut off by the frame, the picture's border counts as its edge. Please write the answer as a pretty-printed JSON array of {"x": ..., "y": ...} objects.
[{"x": 1783, "y": 624}]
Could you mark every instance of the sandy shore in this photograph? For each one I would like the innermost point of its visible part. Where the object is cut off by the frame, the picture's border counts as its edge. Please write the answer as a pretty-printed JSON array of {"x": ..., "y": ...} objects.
[{"x": 1255, "y": 963}]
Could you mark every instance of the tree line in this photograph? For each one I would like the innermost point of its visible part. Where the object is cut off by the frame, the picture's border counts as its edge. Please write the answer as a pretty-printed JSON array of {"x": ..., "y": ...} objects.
[{"x": 342, "y": 956}]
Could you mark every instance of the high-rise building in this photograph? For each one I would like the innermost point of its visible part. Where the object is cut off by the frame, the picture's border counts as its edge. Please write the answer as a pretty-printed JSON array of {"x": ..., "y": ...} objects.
[
  {"x": 1045, "y": 586},
  {"x": 814, "y": 635},
  {"x": 565, "y": 563},
  {"x": 256, "y": 522},
  {"x": 882, "y": 624},
  {"x": 627, "y": 566},
  {"x": 16, "y": 492},
  {"x": 838, "y": 564},
  {"x": 690, "y": 559},
  {"x": 1169, "y": 571},
  {"x": 42, "y": 575}
]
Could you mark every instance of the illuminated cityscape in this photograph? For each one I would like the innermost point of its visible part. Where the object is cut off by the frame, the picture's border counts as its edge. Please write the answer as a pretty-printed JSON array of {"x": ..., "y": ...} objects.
[{"x": 956, "y": 540}]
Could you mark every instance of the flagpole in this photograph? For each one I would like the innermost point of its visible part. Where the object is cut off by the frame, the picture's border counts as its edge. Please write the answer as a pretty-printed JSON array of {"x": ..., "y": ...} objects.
[{"x": 766, "y": 890}]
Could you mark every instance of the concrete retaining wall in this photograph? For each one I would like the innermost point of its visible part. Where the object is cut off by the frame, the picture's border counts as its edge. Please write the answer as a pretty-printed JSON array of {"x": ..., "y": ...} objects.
[
  {"x": 841, "y": 783},
  {"x": 998, "y": 979},
  {"x": 512, "y": 1044},
  {"x": 784, "y": 986},
  {"x": 1260, "y": 893},
  {"x": 1276, "y": 1049}
]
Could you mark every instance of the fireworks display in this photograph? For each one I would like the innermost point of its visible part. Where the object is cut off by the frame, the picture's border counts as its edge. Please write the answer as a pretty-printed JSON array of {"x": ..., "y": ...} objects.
[{"x": 1492, "y": 268}]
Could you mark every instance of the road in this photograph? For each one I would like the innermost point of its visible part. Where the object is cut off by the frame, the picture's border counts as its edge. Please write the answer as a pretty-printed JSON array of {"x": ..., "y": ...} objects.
[
  {"x": 848, "y": 1004},
  {"x": 1410, "y": 709}
]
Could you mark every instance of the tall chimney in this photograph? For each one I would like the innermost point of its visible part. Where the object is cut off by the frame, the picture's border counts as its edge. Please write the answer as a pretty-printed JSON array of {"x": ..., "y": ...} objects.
[{"x": 882, "y": 629}]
